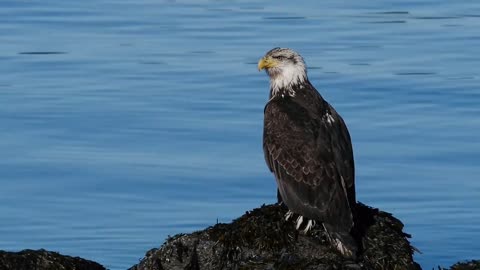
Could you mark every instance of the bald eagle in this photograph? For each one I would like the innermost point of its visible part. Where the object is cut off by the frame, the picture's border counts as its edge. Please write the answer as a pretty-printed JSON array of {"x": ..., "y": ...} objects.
[{"x": 308, "y": 148}]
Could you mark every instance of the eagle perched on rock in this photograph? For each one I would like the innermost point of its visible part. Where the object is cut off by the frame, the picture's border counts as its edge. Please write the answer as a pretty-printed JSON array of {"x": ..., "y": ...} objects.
[{"x": 308, "y": 148}]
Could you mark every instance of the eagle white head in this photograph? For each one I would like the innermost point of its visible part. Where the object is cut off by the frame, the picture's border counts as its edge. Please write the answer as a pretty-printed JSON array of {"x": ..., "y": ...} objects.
[{"x": 285, "y": 67}]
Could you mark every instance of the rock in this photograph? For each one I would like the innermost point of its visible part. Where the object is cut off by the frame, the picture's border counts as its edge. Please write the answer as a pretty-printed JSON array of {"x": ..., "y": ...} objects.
[
  {"x": 262, "y": 239},
  {"x": 44, "y": 260},
  {"x": 468, "y": 265}
]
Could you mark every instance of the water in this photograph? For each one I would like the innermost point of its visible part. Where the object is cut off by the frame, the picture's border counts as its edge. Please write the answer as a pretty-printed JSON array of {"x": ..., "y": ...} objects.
[{"x": 127, "y": 121}]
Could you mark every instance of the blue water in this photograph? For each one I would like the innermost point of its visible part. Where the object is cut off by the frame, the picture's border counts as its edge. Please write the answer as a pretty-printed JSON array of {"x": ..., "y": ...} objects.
[{"x": 123, "y": 122}]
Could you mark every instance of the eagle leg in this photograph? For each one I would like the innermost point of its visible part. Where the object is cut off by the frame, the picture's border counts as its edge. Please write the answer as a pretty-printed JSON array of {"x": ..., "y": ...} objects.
[{"x": 288, "y": 215}]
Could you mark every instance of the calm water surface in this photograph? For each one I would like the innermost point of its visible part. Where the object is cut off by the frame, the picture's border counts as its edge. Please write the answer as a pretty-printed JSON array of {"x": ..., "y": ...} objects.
[{"x": 127, "y": 121}]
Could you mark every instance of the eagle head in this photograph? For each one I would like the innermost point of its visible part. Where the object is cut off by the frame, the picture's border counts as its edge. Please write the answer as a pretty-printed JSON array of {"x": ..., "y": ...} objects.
[{"x": 285, "y": 67}]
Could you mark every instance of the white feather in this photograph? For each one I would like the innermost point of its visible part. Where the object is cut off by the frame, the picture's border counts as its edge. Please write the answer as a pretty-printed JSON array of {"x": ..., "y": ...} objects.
[
  {"x": 329, "y": 118},
  {"x": 288, "y": 75}
]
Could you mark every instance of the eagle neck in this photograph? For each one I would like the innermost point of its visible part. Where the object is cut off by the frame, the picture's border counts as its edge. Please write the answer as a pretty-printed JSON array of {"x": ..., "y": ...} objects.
[{"x": 291, "y": 89}]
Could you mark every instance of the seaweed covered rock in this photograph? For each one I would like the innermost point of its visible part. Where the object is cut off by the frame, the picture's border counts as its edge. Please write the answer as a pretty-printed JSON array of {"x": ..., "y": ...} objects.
[
  {"x": 262, "y": 239},
  {"x": 44, "y": 260},
  {"x": 468, "y": 265}
]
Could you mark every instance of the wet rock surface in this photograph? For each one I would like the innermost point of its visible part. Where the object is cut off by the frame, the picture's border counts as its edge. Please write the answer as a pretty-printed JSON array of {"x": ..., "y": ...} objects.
[
  {"x": 262, "y": 239},
  {"x": 468, "y": 265},
  {"x": 44, "y": 260}
]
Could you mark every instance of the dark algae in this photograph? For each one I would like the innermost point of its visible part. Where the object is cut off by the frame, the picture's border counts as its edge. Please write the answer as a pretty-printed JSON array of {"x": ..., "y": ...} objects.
[
  {"x": 467, "y": 265},
  {"x": 262, "y": 239},
  {"x": 259, "y": 239},
  {"x": 44, "y": 260}
]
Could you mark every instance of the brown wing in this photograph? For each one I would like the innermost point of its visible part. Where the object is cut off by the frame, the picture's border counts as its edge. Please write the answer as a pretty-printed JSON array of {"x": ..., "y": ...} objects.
[
  {"x": 343, "y": 153},
  {"x": 309, "y": 157}
]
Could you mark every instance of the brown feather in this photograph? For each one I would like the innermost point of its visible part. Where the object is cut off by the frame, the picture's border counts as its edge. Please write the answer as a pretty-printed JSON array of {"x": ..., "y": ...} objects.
[{"x": 311, "y": 158}]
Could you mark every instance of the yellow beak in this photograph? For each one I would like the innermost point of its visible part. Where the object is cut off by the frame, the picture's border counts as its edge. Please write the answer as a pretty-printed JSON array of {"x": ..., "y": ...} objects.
[{"x": 267, "y": 62}]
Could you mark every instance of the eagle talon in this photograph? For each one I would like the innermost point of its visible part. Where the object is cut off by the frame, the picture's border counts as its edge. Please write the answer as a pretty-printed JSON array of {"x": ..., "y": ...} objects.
[
  {"x": 339, "y": 245},
  {"x": 342, "y": 248},
  {"x": 299, "y": 222},
  {"x": 288, "y": 215},
  {"x": 309, "y": 226}
]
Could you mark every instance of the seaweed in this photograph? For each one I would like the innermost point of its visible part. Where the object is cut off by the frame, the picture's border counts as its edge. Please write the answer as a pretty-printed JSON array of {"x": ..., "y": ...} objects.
[
  {"x": 44, "y": 260},
  {"x": 262, "y": 239}
]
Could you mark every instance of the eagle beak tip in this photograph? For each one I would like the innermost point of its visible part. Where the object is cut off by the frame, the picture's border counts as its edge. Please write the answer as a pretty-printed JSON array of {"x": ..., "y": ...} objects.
[{"x": 261, "y": 64}]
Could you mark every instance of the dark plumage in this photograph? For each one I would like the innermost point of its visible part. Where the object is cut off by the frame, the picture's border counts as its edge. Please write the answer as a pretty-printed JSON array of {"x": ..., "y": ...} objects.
[{"x": 308, "y": 148}]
